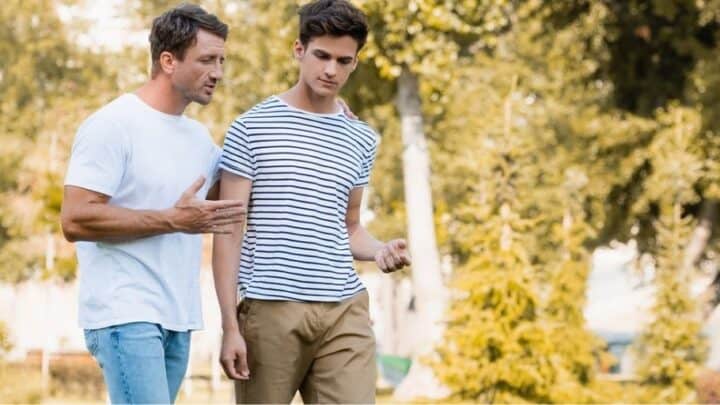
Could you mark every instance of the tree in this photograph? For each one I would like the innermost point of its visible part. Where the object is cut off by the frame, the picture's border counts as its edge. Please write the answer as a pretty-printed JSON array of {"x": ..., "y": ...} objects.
[
  {"x": 41, "y": 75},
  {"x": 499, "y": 345},
  {"x": 414, "y": 44},
  {"x": 671, "y": 349}
]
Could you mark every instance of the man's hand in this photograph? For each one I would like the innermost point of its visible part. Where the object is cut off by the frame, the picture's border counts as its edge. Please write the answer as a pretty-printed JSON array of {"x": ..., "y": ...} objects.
[
  {"x": 346, "y": 110},
  {"x": 193, "y": 215},
  {"x": 233, "y": 356},
  {"x": 393, "y": 256}
]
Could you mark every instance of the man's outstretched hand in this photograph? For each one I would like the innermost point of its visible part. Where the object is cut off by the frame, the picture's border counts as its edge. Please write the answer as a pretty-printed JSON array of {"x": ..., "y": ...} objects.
[{"x": 393, "y": 256}]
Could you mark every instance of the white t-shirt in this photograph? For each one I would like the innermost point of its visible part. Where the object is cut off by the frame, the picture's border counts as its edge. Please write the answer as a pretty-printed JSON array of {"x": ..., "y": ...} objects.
[{"x": 143, "y": 159}]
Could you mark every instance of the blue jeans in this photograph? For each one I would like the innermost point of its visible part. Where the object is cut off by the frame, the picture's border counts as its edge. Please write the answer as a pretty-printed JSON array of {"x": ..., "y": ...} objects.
[{"x": 141, "y": 362}]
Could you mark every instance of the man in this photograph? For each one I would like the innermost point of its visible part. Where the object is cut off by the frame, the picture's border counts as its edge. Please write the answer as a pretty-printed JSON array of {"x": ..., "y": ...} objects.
[
  {"x": 301, "y": 167},
  {"x": 135, "y": 192}
]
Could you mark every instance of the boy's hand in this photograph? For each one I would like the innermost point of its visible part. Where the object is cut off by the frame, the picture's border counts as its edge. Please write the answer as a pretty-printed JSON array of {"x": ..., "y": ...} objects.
[{"x": 393, "y": 256}]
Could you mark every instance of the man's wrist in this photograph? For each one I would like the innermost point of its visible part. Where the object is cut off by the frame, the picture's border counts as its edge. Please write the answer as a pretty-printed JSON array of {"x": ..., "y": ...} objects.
[{"x": 167, "y": 217}]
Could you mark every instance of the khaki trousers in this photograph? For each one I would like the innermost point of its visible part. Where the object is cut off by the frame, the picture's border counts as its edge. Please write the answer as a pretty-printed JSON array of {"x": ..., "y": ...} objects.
[{"x": 325, "y": 350}]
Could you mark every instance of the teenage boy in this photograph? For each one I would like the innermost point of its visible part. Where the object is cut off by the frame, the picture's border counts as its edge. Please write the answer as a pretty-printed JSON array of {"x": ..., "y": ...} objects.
[{"x": 301, "y": 166}]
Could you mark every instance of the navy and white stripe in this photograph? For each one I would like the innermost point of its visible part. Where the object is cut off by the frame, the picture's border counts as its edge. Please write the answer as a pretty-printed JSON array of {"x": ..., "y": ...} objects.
[{"x": 303, "y": 167}]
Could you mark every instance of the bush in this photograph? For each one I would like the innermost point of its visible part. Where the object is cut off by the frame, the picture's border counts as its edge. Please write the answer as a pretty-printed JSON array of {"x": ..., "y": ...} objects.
[
  {"x": 76, "y": 376},
  {"x": 20, "y": 384}
]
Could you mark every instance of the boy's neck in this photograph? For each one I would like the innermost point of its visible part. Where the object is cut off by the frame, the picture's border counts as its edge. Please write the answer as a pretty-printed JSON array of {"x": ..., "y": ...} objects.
[{"x": 303, "y": 98}]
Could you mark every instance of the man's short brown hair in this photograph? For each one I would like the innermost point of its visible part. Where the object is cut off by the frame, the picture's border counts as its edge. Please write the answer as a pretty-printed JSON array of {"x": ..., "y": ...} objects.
[{"x": 176, "y": 30}]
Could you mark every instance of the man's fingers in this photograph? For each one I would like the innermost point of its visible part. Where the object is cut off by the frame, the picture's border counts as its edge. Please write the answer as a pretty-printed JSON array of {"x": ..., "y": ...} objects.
[
  {"x": 228, "y": 221},
  {"x": 226, "y": 213},
  {"x": 224, "y": 204},
  {"x": 196, "y": 186},
  {"x": 223, "y": 229},
  {"x": 346, "y": 109},
  {"x": 228, "y": 366}
]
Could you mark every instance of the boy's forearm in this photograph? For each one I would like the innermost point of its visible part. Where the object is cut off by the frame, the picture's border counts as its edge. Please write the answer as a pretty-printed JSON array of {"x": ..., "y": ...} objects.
[
  {"x": 226, "y": 261},
  {"x": 363, "y": 246}
]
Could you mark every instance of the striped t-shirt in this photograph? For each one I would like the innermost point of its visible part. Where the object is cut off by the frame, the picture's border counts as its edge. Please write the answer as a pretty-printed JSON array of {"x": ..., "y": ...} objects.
[{"x": 302, "y": 166}]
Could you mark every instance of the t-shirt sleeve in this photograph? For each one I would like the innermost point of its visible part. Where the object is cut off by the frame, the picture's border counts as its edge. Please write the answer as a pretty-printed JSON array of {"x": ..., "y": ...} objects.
[
  {"x": 98, "y": 157},
  {"x": 237, "y": 154},
  {"x": 367, "y": 165}
]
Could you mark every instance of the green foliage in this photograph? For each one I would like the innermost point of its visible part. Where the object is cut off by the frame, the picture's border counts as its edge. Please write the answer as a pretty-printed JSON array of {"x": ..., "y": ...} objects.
[
  {"x": 671, "y": 350},
  {"x": 498, "y": 342},
  {"x": 48, "y": 85}
]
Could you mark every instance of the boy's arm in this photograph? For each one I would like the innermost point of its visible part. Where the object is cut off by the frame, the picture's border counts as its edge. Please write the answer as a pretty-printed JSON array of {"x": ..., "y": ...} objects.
[
  {"x": 389, "y": 257},
  {"x": 227, "y": 249}
]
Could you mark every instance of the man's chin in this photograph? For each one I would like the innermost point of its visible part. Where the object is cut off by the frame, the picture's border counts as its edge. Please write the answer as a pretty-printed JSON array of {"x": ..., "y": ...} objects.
[{"x": 203, "y": 100}]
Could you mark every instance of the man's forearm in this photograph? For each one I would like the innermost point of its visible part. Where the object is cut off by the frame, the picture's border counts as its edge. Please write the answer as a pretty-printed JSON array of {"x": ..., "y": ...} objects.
[
  {"x": 363, "y": 245},
  {"x": 105, "y": 222}
]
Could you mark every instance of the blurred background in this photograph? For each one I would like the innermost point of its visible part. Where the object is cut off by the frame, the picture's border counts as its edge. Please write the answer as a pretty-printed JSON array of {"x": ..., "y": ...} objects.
[{"x": 555, "y": 166}]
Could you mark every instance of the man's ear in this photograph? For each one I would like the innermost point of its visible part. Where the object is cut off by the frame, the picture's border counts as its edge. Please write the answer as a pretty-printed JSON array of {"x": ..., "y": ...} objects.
[
  {"x": 298, "y": 49},
  {"x": 167, "y": 62}
]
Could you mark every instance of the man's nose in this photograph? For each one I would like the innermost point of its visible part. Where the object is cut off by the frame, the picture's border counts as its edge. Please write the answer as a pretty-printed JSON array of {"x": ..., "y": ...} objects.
[{"x": 217, "y": 71}]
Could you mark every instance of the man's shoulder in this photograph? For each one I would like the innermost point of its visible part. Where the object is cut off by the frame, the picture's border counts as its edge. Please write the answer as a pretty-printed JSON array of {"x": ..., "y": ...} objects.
[{"x": 111, "y": 114}]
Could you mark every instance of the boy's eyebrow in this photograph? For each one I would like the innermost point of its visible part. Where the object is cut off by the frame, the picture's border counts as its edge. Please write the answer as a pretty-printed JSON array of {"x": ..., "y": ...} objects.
[{"x": 320, "y": 52}]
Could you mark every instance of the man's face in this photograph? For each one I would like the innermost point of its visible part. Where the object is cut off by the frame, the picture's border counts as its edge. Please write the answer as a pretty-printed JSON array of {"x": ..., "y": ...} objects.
[
  {"x": 198, "y": 74},
  {"x": 326, "y": 63}
]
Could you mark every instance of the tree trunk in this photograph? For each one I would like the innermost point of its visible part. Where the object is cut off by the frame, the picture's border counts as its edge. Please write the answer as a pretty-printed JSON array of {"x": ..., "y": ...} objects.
[
  {"x": 710, "y": 298},
  {"x": 428, "y": 288}
]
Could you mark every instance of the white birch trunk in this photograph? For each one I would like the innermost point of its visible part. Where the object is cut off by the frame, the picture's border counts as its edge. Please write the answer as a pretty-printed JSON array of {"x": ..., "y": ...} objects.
[{"x": 429, "y": 291}]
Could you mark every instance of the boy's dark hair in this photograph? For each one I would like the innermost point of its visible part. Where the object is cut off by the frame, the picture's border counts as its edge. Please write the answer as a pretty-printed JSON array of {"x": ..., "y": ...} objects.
[
  {"x": 336, "y": 18},
  {"x": 176, "y": 30}
]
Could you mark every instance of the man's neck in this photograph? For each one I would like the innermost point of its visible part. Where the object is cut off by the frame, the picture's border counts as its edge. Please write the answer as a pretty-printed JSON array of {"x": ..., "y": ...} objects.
[
  {"x": 159, "y": 94},
  {"x": 302, "y": 97}
]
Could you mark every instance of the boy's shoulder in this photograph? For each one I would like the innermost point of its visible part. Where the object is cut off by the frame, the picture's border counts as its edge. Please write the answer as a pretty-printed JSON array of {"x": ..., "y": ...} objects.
[{"x": 262, "y": 109}]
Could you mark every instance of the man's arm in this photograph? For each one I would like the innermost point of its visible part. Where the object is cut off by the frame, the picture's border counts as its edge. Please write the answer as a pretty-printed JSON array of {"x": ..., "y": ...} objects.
[
  {"x": 389, "y": 257},
  {"x": 87, "y": 216},
  {"x": 227, "y": 249}
]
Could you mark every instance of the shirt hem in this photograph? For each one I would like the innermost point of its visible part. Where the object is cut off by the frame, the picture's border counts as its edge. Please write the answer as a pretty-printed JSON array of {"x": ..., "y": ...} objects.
[
  {"x": 121, "y": 321},
  {"x": 315, "y": 299}
]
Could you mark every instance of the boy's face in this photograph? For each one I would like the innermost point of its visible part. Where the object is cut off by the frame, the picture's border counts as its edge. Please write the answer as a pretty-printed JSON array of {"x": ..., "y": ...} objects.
[
  {"x": 200, "y": 71},
  {"x": 326, "y": 63}
]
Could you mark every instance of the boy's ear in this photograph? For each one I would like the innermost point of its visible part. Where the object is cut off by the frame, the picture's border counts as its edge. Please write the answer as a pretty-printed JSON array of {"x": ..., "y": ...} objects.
[{"x": 298, "y": 49}]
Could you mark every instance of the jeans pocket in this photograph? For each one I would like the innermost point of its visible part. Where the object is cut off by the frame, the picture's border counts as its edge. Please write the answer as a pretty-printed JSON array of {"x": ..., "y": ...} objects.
[{"x": 91, "y": 341}]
